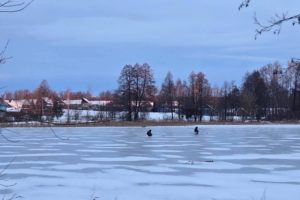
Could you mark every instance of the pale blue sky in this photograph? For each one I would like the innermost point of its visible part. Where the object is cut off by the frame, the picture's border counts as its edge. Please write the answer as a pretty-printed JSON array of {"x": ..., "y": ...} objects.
[{"x": 84, "y": 44}]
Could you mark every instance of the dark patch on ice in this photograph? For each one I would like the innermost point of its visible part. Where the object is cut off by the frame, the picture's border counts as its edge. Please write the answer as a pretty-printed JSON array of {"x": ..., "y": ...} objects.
[
  {"x": 277, "y": 182},
  {"x": 243, "y": 170},
  {"x": 294, "y": 164},
  {"x": 23, "y": 176},
  {"x": 6, "y": 192},
  {"x": 47, "y": 186},
  {"x": 176, "y": 184}
]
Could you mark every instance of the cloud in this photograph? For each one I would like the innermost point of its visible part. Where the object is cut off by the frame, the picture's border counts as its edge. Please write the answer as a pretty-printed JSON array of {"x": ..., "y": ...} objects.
[
  {"x": 114, "y": 30},
  {"x": 175, "y": 35},
  {"x": 147, "y": 22},
  {"x": 249, "y": 58}
]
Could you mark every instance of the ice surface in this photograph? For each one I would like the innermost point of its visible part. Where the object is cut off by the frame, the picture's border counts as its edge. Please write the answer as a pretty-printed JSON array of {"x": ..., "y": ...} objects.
[{"x": 222, "y": 162}]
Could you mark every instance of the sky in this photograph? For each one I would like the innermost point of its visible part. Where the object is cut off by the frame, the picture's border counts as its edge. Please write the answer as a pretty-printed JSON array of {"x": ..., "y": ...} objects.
[{"x": 83, "y": 45}]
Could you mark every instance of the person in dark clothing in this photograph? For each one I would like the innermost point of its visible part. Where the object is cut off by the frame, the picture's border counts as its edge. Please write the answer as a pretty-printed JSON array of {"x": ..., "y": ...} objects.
[
  {"x": 196, "y": 130},
  {"x": 149, "y": 133}
]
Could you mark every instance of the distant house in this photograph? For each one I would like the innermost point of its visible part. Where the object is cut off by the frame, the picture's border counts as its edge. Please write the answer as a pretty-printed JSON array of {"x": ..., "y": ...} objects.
[
  {"x": 84, "y": 103},
  {"x": 98, "y": 104},
  {"x": 29, "y": 106},
  {"x": 26, "y": 106},
  {"x": 165, "y": 107},
  {"x": 145, "y": 105},
  {"x": 9, "y": 109},
  {"x": 76, "y": 104},
  {"x": 44, "y": 106},
  {"x": 14, "y": 105}
]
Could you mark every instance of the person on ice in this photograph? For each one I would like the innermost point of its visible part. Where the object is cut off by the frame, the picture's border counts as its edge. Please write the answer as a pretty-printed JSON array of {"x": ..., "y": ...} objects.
[
  {"x": 196, "y": 130},
  {"x": 149, "y": 133}
]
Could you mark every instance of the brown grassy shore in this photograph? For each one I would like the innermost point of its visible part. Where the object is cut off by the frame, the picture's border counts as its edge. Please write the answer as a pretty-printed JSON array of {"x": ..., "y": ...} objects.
[{"x": 142, "y": 123}]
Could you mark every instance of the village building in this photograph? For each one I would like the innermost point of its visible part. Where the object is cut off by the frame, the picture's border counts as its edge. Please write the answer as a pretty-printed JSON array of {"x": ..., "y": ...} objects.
[{"x": 85, "y": 104}]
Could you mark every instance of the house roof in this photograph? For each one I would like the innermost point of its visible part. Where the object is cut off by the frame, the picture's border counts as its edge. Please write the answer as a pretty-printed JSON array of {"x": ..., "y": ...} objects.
[
  {"x": 72, "y": 102},
  {"x": 100, "y": 102},
  {"x": 17, "y": 104},
  {"x": 85, "y": 100},
  {"x": 14, "y": 105}
]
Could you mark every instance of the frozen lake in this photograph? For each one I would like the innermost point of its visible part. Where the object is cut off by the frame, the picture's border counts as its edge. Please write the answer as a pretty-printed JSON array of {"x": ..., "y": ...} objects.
[{"x": 249, "y": 162}]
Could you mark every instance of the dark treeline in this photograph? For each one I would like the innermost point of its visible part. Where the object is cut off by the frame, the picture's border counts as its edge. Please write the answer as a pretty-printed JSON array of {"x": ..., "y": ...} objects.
[{"x": 269, "y": 93}]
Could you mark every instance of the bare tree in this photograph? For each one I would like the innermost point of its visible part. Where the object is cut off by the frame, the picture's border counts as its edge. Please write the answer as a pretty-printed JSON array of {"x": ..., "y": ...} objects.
[
  {"x": 294, "y": 78},
  {"x": 274, "y": 23},
  {"x": 225, "y": 90},
  {"x": 125, "y": 89},
  {"x": 167, "y": 93},
  {"x": 248, "y": 103},
  {"x": 42, "y": 93},
  {"x": 254, "y": 89},
  {"x": 136, "y": 87},
  {"x": 277, "y": 90},
  {"x": 199, "y": 92},
  {"x": 181, "y": 92},
  {"x": 144, "y": 88}
]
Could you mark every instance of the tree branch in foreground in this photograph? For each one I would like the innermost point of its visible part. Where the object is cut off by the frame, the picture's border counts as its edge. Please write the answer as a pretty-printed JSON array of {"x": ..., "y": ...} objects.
[
  {"x": 275, "y": 23},
  {"x": 244, "y": 4},
  {"x": 3, "y": 58},
  {"x": 10, "y": 6}
]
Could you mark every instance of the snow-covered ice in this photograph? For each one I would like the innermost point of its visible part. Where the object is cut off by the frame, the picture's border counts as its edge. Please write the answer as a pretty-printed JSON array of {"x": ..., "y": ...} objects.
[{"x": 222, "y": 162}]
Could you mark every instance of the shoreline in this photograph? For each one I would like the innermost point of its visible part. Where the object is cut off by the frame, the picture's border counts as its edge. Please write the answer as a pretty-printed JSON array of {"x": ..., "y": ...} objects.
[{"x": 140, "y": 124}]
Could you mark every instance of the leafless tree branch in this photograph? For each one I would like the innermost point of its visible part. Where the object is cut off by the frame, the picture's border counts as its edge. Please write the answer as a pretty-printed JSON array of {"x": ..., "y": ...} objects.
[
  {"x": 3, "y": 58},
  {"x": 11, "y": 6},
  {"x": 14, "y": 196},
  {"x": 244, "y": 4},
  {"x": 7, "y": 186},
  {"x": 12, "y": 131},
  {"x": 6, "y": 167},
  {"x": 7, "y": 139},
  {"x": 57, "y": 136},
  {"x": 274, "y": 24}
]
